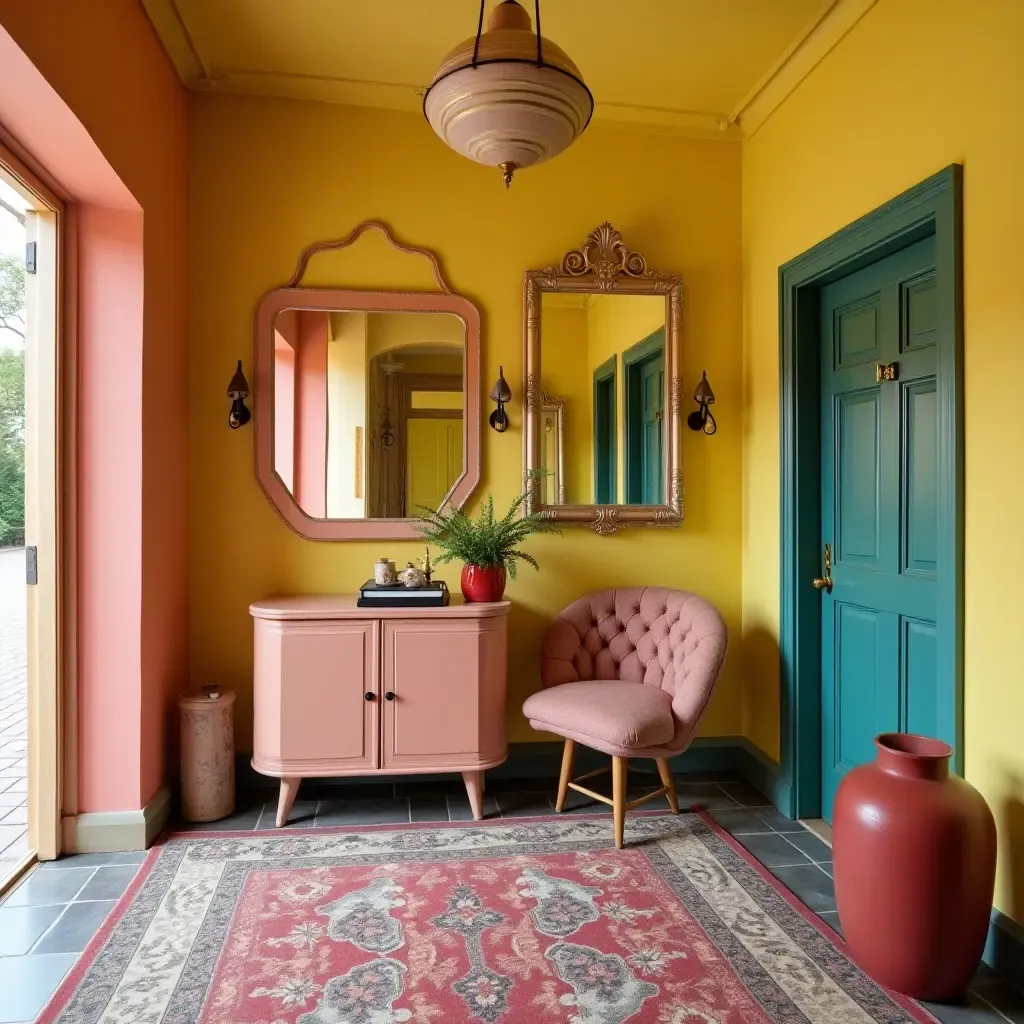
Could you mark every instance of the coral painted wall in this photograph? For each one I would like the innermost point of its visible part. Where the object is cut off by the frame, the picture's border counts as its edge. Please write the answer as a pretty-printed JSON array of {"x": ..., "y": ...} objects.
[
  {"x": 911, "y": 89},
  {"x": 255, "y": 205},
  {"x": 107, "y": 65}
]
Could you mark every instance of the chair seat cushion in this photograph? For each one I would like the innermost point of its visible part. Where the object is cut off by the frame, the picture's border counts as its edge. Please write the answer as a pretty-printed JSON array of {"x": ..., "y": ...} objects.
[{"x": 608, "y": 711}]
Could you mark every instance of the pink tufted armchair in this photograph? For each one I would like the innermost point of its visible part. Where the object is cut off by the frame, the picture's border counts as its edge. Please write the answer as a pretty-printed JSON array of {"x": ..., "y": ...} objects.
[{"x": 628, "y": 672}]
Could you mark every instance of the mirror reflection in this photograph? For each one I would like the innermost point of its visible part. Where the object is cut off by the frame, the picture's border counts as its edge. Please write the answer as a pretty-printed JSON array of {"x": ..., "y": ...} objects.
[
  {"x": 604, "y": 399},
  {"x": 368, "y": 410}
]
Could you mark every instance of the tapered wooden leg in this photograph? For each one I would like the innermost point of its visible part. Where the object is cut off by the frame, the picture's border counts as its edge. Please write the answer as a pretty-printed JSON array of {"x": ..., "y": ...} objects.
[
  {"x": 475, "y": 791},
  {"x": 568, "y": 754},
  {"x": 289, "y": 789},
  {"x": 668, "y": 782},
  {"x": 619, "y": 766}
]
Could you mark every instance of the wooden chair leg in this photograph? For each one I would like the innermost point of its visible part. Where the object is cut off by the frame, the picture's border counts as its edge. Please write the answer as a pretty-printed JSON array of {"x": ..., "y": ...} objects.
[
  {"x": 619, "y": 768},
  {"x": 568, "y": 755},
  {"x": 668, "y": 782}
]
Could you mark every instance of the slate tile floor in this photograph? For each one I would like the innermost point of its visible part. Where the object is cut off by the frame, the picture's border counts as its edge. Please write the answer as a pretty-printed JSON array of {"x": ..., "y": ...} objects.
[{"x": 48, "y": 920}]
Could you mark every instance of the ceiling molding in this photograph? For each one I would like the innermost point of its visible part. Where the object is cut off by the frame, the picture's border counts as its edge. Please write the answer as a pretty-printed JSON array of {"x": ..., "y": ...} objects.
[
  {"x": 179, "y": 44},
  {"x": 807, "y": 51}
]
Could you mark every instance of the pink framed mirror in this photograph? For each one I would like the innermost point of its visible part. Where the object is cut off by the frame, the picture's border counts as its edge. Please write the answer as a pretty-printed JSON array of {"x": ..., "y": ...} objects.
[{"x": 367, "y": 403}]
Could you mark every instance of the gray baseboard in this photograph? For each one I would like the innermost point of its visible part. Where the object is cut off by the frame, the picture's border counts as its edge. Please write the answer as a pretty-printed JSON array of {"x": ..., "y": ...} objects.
[
  {"x": 118, "y": 831},
  {"x": 1004, "y": 950},
  {"x": 729, "y": 755}
]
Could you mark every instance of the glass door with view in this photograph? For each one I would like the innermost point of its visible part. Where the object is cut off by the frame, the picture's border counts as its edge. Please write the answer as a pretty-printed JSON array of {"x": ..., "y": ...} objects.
[{"x": 28, "y": 336}]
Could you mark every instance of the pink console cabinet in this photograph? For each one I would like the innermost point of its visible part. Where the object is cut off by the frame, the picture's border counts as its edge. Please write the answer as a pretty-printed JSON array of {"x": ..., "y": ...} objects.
[{"x": 340, "y": 690}]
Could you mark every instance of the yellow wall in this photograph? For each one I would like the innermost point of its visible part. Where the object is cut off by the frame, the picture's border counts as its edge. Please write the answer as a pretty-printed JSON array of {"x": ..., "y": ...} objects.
[
  {"x": 564, "y": 375},
  {"x": 675, "y": 199},
  {"x": 913, "y": 88}
]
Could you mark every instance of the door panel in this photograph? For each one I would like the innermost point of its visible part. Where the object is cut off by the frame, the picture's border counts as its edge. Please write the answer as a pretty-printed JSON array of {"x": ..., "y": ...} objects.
[
  {"x": 329, "y": 668},
  {"x": 433, "y": 460},
  {"x": 858, "y": 491},
  {"x": 878, "y": 507},
  {"x": 433, "y": 671}
]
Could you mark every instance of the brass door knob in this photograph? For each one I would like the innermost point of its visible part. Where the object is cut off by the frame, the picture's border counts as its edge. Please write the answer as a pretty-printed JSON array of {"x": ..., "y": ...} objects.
[{"x": 825, "y": 582}]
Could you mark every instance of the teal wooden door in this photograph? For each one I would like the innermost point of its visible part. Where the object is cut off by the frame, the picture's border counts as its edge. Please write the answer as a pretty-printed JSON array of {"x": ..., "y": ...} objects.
[
  {"x": 879, "y": 492},
  {"x": 652, "y": 391}
]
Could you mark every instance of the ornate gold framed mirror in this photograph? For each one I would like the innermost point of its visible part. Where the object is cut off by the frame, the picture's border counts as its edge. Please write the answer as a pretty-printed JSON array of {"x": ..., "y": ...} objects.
[{"x": 602, "y": 332}]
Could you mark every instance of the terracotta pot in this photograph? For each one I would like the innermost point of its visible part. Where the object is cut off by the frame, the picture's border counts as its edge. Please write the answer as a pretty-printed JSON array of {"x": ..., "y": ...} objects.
[
  {"x": 915, "y": 861},
  {"x": 483, "y": 582}
]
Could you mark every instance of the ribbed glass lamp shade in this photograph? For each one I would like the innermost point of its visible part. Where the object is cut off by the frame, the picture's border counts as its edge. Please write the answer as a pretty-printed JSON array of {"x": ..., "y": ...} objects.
[{"x": 506, "y": 109}]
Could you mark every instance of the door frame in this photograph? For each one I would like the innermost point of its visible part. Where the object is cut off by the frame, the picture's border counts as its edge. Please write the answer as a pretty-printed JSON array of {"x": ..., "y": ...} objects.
[
  {"x": 608, "y": 459},
  {"x": 933, "y": 207},
  {"x": 632, "y": 362},
  {"x": 50, "y": 513}
]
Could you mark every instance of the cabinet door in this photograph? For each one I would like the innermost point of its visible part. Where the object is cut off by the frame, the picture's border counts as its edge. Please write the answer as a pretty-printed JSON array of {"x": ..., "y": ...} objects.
[
  {"x": 448, "y": 682},
  {"x": 312, "y": 716}
]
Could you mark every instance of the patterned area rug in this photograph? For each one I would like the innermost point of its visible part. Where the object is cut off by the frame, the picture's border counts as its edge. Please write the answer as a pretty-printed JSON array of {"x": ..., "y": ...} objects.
[{"x": 535, "y": 920}]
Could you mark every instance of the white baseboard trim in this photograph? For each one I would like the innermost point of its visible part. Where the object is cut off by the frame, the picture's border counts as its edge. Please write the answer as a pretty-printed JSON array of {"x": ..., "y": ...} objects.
[{"x": 118, "y": 831}]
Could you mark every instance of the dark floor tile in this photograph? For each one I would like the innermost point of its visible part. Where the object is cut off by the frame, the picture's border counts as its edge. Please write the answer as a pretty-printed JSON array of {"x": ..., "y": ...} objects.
[
  {"x": 242, "y": 820},
  {"x": 459, "y": 810},
  {"x": 523, "y": 805},
  {"x": 580, "y": 803},
  {"x": 428, "y": 808},
  {"x": 970, "y": 1009},
  {"x": 811, "y": 845},
  {"x": 21, "y": 927},
  {"x": 28, "y": 982},
  {"x": 131, "y": 857},
  {"x": 363, "y": 812},
  {"x": 75, "y": 928},
  {"x": 303, "y": 815},
  {"x": 809, "y": 885},
  {"x": 544, "y": 784},
  {"x": 831, "y": 918},
  {"x": 79, "y": 860},
  {"x": 708, "y": 795},
  {"x": 772, "y": 850},
  {"x": 108, "y": 883},
  {"x": 776, "y": 820},
  {"x": 826, "y": 866},
  {"x": 745, "y": 794},
  {"x": 43, "y": 888},
  {"x": 360, "y": 791},
  {"x": 740, "y": 820},
  {"x": 1001, "y": 994},
  {"x": 429, "y": 788}
]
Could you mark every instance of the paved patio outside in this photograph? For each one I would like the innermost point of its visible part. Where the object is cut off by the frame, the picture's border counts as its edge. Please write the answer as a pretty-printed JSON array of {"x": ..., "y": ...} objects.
[{"x": 13, "y": 712}]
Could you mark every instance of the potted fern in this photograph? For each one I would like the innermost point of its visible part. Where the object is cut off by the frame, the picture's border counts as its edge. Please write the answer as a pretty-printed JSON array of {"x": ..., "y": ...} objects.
[{"x": 489, "y": 547}]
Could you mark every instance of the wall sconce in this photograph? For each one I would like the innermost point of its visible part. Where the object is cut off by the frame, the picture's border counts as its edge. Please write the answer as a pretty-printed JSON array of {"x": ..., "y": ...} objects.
[
  {"x": 238, "y": 391},
  {"x": 703, "y": 396},
  {"x": 500, "y": 393}
]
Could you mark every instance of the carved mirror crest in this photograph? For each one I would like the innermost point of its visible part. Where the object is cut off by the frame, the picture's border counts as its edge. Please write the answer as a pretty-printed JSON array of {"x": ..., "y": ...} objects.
[{"x": 602, "y": 332}]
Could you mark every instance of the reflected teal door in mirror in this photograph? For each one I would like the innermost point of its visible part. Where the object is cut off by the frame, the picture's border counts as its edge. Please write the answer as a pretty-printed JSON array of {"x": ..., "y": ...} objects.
[
  {"x": 879, "y": 499},
  {"x": 644, "y": 373},
  {"x": 605, "y": 434}
]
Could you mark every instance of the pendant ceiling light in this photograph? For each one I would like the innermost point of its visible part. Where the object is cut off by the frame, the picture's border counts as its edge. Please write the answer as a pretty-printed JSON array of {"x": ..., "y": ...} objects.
[{"x": 508, "y": 97}]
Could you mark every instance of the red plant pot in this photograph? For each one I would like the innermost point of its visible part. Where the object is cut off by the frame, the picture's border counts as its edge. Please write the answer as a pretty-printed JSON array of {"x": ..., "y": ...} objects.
[
  {"x": 914, "y": 852},
  {"x": 483, "y": 583}
]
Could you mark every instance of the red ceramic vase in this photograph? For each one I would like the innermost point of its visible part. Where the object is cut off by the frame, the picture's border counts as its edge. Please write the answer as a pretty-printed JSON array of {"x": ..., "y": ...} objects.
[
  {"x": 483, "y": 582},
  {"x": 914, "y": 851}
]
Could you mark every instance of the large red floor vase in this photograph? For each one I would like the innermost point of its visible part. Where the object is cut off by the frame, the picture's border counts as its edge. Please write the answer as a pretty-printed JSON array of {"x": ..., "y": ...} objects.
[{"x": 915, "y": 860}]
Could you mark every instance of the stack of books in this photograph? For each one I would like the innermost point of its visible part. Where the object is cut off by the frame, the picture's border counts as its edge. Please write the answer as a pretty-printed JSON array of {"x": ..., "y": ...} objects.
[{"x": 396, "y": 595}]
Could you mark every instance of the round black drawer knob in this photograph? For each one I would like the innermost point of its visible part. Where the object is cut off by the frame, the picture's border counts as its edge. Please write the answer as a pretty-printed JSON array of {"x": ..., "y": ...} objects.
[
  {"x": 389, "y": 695},
  {"x": 368, "y": 695}
]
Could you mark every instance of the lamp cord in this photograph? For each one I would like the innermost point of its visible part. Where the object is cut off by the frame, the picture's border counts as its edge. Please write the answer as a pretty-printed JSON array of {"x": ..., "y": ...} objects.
[
  {"x": 536, "y": 11},
  {"x": 479, "y": 31}
]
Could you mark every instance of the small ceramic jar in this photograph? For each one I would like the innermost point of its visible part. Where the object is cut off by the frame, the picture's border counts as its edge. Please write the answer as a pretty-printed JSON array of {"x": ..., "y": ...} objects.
[{"x": 384, "y": 572}]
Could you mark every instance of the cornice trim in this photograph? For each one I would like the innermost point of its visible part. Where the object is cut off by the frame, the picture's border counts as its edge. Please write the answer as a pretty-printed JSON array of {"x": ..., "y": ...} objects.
[{"x": 821, "y": 35}]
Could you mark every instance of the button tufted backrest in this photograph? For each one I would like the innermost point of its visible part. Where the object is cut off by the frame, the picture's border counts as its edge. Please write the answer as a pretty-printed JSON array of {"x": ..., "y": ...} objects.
[{"x": 666, "y": 638}]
